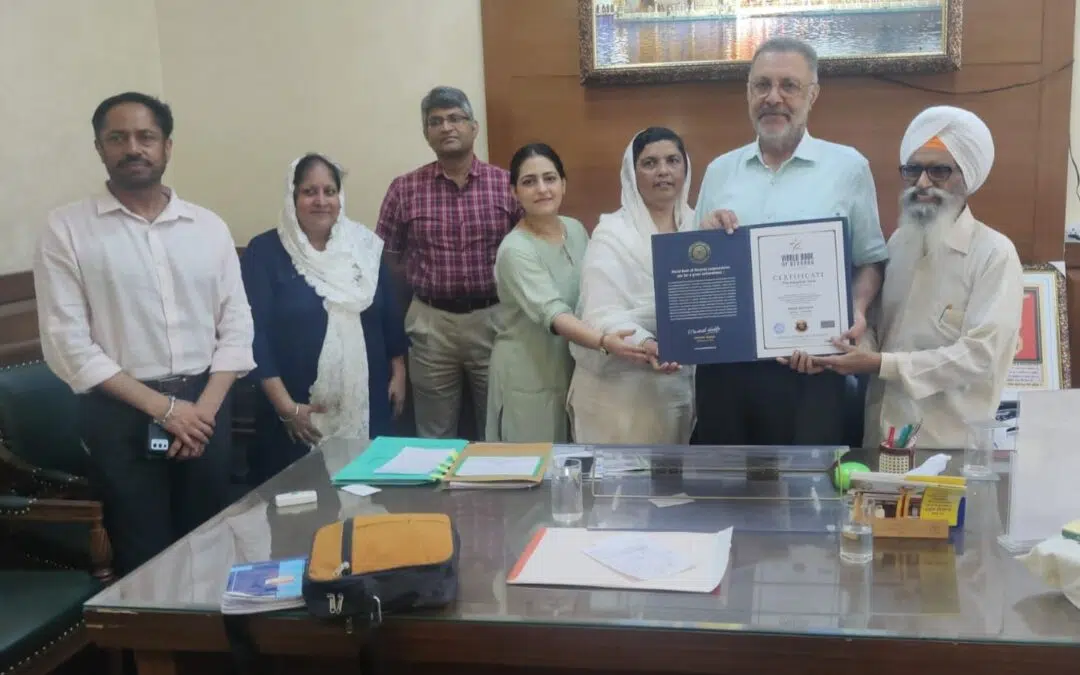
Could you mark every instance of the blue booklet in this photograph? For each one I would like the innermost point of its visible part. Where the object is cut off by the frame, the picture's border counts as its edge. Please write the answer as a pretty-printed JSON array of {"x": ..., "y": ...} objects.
[
  {"x": 264, "y": 586},
  {"x": 762, "y": 292}
]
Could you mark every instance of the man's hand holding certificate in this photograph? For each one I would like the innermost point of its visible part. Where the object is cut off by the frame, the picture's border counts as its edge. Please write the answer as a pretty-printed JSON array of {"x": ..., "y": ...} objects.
[{"x": 734, "y": 294}]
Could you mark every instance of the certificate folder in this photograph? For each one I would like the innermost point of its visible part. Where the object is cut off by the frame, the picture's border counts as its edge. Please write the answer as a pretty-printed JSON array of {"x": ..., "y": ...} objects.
[
  {"x": 500, "y": 465},
  {"x": 761, "y": 292}
]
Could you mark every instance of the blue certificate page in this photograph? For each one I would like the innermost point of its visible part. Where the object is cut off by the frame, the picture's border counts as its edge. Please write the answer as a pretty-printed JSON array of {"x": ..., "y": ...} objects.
[{"x": 704, "y": 297}]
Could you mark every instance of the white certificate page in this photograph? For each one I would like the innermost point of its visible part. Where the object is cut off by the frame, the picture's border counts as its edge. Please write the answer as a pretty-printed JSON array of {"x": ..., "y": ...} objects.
[{"x": 800, "y": 287}]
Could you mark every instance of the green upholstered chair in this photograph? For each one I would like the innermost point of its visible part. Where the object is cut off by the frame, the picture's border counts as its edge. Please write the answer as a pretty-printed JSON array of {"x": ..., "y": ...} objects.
[
  {"x": 54, "y": 552},
  {"x": 41, "y": 456},
  {"x": 41, "y": 624}
]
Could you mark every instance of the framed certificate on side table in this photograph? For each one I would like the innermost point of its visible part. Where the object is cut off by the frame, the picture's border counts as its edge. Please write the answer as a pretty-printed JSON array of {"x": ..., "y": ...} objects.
[
  {"x": 1042, "y": 359},
  {"x": 762, "y": 292}
]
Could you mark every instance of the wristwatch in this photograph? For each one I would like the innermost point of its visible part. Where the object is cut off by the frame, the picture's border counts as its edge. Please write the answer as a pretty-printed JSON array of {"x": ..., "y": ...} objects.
[{"x": 602, "y": 348}]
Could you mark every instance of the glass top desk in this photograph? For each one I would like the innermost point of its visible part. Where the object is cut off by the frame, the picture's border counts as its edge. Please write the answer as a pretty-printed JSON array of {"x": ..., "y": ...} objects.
[{"x": 786, "y": 597}]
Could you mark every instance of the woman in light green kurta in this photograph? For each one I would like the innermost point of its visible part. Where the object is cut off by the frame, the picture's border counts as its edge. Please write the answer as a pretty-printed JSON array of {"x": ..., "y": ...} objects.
[{"x": 536, "y": 272}]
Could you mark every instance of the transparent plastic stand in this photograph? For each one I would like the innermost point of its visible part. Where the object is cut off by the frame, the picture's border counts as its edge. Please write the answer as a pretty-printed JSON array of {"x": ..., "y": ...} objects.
[{"x": 707, "y": 488}]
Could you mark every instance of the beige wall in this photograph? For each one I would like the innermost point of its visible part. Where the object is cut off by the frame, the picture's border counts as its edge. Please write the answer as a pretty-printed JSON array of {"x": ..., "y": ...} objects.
[
  {"x": 59, "y": 59},
  {"x": 253, "y": 84},
  {"x": 256, "y": 84}
]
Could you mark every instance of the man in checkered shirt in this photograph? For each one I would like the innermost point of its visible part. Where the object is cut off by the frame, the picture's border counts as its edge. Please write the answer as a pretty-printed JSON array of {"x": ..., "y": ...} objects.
[{"x": 442, "y": 224}]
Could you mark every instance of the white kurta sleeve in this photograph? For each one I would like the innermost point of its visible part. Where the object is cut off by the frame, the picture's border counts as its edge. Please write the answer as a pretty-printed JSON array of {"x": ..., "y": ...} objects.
[{"x": 990, "y": 327}]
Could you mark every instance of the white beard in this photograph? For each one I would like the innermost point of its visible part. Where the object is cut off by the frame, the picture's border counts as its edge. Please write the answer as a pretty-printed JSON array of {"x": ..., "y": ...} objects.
[{"x": 930, "y": 219}]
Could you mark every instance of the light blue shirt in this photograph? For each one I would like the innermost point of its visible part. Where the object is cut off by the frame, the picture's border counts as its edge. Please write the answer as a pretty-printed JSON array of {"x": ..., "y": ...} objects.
[{"x": 820, "y": 180}]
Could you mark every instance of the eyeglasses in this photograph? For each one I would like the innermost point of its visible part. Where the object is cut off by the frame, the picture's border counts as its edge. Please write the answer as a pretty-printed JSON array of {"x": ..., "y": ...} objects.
[
  {"x": 789, "y": 88},
  {"x": 938, "y": 173},
  {"x": 453, "y": 119}
]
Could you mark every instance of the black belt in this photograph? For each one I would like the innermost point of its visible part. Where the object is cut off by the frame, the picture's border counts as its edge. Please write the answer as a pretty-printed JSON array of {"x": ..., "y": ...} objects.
[
  {"x": 174, "y": 385},
  {"x": 458, "y": 305}
]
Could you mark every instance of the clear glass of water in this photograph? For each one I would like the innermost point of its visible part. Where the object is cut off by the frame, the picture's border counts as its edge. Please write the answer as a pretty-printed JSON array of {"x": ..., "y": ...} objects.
[
  {"x": 983, "y": 436},
  {"x": 856, "y": 532},
  {"x": 567, "y": 500}
]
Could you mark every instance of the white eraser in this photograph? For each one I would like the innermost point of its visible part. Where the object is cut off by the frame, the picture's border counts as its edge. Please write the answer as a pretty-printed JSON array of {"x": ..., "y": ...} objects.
[{"x": 295, "y": 498}]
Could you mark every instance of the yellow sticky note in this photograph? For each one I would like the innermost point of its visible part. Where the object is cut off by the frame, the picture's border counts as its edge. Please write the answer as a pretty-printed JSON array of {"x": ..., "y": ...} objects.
[{"x": 940, "y": 504}]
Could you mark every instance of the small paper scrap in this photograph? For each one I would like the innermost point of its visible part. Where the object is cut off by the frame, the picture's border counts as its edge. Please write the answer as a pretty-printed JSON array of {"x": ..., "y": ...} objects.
[
  {"x": 360, "y": 490},
  {"x": 674, "y": 500}
]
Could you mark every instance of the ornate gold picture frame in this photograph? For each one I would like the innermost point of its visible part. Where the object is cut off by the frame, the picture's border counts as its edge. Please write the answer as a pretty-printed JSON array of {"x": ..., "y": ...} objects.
[
  {"x": 660, "y": 41},
  {"x": 1042, "y": 359}
]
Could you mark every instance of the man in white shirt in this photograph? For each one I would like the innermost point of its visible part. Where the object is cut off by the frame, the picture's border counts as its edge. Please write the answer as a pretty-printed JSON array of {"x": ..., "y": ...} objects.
[
  {"x": 784, "y": 175},
  {"x": 941, "y": 345},
  {"x": 142, "y": 311}
]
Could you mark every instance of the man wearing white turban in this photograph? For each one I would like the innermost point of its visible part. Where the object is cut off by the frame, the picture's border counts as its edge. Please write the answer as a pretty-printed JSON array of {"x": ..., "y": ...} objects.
[{"x": 944, "y": 338}]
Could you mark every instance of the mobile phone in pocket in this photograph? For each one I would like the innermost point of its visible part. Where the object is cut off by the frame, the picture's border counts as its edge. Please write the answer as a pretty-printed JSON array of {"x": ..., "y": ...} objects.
[{"x": 158, "y": 441}]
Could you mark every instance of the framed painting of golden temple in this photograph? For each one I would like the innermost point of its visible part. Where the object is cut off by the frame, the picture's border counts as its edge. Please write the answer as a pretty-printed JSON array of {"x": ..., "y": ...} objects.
[{"x": 645, "y": 41}]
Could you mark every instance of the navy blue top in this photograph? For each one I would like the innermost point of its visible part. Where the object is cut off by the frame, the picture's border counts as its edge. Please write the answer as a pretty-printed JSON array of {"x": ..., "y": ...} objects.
[{"x": 290, "y": 324}]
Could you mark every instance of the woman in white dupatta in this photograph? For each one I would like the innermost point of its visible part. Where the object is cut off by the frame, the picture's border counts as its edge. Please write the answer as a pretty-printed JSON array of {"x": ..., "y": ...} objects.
[
  {"x": 611, "y": 400},
  {"x": 329, "y": 342}
]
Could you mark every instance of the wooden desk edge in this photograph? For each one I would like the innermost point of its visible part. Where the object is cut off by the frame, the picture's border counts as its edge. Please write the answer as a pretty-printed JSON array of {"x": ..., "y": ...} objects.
[{"x": 556, "y": 647}]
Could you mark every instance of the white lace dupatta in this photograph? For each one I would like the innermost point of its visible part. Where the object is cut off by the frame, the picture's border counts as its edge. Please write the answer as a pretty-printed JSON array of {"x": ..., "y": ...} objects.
[{"x": 345, "y": 276}]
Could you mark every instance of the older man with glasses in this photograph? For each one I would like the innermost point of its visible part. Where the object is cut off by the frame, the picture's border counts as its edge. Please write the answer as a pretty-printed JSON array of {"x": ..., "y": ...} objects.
[
  {"x": 785, "y": 175},
  {"x": 949, "y": 319}
]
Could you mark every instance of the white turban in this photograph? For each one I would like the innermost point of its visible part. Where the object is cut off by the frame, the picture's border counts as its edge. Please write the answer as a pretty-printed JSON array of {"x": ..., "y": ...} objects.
[{"x": 963, "y": 134}]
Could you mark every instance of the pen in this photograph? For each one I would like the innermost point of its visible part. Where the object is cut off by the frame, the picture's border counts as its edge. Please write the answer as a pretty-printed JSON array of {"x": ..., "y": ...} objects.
[
  {"x": 892, "y": 435},
  {"x": 910, "y": 440}
]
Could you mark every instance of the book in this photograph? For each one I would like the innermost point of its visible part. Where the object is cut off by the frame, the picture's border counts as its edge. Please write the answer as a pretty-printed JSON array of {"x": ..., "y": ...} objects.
[
  {"x": 390, "y": 460},
  {"x": 265, "y": 586}
]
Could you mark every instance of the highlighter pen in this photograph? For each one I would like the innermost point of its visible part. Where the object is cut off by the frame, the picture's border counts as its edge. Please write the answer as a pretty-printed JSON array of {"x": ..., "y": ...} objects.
[{"x": 902, "y": 438}]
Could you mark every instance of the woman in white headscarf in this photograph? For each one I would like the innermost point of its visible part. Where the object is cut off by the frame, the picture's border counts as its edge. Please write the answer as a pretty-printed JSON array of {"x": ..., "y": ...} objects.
[
  {"x": 330, "y": 341},
  {"x": 612, "y": 400}
]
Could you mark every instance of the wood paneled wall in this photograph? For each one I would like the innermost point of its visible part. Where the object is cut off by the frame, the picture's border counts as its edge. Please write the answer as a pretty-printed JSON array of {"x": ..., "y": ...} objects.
[
  {"x": 533, "y": 93},
  {"x": 1017, "y": 51},
  {"x": 18, "y": 319}
]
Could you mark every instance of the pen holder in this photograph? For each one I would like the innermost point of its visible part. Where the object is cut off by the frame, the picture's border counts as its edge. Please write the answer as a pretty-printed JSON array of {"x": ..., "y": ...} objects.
[{"x": 895, "y": 460}]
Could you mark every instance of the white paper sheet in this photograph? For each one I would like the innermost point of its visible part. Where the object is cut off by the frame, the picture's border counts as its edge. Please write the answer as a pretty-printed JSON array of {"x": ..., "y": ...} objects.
[
  {"x": 932, "y": 466},
  {"x": 479, "y": 465},
  {"x": 639, "y": 557},
  {"x": 417, "y": 461},
  {"x": 557, "y": 557}
]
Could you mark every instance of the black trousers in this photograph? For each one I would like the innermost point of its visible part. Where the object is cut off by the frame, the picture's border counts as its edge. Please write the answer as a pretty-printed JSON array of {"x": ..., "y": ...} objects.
[
  {"x": 149, "y": 503},
  {"x": 767, "y": 403}
]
